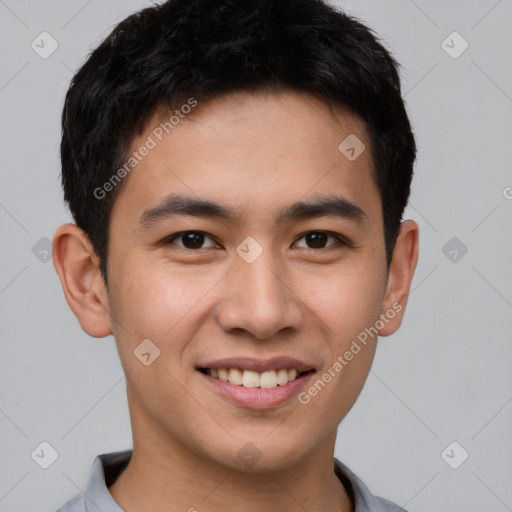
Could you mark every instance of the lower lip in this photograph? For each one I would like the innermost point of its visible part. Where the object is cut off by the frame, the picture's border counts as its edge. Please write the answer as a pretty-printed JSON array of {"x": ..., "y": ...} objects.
[{"x": 258, "y": 398}]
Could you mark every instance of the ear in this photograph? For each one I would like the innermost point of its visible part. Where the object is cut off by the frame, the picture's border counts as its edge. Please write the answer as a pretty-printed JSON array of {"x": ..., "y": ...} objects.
[
  {"x": 77, "y": 265},
  {"x": 401, "y": 272}
]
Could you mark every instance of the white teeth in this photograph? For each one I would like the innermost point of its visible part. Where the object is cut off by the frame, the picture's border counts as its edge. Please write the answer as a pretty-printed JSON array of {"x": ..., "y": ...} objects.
[
  {"x": 268, "y": 379},
  {"x": 235, "y": 377},
  {"x": 282, "y": 377},
  {"x": 252, "y": 379}
]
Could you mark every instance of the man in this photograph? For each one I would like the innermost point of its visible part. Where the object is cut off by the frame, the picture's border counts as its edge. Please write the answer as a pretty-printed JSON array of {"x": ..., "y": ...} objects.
[{"x": 237, "y": 172}]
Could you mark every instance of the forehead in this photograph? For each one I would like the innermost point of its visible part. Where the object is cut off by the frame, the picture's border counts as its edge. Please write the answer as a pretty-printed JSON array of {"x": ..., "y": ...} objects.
[{"x": 252, "y": 152}]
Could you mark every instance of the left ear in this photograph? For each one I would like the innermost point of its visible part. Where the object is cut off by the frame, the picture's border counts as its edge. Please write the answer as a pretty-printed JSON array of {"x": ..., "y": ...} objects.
[{"x": 401, "y": 272}]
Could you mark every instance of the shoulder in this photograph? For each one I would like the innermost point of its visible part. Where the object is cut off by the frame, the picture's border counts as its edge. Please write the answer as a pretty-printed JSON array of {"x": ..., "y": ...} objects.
[
  {"x": 75, "y": 504},
  {"x": 388, "y": 506},
  {"x": 95, "y": 496},
  {"x": 363, "y": 499}
]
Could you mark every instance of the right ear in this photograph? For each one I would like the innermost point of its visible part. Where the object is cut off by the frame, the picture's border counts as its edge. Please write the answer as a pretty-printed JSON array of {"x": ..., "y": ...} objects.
[{"x": 77, "y": 265}]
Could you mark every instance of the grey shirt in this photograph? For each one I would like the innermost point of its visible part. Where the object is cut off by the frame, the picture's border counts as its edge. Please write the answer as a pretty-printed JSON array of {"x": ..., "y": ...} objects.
[{"x": 108, "y": 466}]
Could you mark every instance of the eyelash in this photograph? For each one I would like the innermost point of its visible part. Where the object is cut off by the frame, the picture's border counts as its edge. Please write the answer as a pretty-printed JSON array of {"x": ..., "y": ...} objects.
[{"x": 342, "y": 241}]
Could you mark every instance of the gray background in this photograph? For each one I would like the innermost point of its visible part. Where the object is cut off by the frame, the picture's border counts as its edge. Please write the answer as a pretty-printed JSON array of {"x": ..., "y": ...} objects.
[{"x": 444, "y": 377}]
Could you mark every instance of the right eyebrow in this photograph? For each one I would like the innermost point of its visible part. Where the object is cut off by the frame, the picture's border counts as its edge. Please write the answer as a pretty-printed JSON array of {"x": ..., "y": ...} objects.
[{"x": 174, "y": 205}]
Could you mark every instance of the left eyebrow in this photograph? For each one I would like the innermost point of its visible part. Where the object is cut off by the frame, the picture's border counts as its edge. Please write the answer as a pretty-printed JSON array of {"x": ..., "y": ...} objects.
[
  {"x": 180, "y": 205},
  {"x": 330, "y": 206}
]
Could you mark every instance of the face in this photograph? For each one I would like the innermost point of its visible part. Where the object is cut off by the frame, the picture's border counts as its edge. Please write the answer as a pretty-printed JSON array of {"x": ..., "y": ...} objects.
[{"x": 255, "y": 287}]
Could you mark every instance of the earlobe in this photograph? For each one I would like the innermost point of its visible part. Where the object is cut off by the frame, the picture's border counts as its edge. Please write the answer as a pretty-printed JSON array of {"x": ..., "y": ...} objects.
[
  {"x": 401, "y": 272},
  {"x": 76, "y": 264}
]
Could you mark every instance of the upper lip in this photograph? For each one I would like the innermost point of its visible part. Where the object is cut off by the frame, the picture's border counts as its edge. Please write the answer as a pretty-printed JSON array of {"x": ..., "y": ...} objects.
[{"x": 259, "y": 365}]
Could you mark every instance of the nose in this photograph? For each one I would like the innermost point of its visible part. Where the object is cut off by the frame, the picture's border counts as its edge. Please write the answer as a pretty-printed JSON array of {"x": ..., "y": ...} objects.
[{"x": 259, "y": 300}]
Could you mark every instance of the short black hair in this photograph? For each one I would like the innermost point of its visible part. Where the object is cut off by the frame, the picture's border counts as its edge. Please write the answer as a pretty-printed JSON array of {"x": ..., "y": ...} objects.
[{"x": 201, "y": 49}]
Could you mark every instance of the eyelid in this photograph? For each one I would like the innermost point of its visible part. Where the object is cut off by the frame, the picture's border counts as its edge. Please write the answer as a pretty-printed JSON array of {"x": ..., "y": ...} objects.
[
  {"x": 169, "y": 239},
  {"x": 342, "y": 240}
]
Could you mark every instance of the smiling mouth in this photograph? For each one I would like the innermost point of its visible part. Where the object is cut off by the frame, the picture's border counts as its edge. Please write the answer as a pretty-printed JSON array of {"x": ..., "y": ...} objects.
[{"x": 251, "y": 379}]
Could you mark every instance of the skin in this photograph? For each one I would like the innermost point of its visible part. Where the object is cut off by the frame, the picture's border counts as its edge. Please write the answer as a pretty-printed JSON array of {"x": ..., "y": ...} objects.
[{"x": 255, "y": 153}]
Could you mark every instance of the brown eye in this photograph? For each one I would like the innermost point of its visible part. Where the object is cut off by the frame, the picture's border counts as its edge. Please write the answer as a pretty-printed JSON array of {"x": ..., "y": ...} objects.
[
  {"x": 318, "y": 239},
  {"x": 190, "y": 239}
]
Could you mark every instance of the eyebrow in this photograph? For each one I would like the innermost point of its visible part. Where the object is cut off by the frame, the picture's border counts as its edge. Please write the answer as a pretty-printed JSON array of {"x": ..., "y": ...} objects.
[{"x": 179, "y": 205}]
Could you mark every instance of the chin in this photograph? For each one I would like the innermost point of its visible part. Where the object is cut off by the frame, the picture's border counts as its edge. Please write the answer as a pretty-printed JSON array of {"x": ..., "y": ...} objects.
[{"x": 260, "y": 455}]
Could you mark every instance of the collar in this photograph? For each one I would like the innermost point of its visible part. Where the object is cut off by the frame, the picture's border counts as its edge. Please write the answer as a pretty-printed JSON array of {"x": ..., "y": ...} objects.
[{"x": 108, "y": 466}]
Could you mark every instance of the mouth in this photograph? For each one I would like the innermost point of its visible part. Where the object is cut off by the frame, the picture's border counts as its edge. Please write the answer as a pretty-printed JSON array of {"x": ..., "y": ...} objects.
[
  {"x": 256, "y": 384},
  {"x": 252, "y": 379}
]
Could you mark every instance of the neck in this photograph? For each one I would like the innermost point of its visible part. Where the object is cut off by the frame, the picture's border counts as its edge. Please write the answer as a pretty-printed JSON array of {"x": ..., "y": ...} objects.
[
  {"x": 165, "y": 474},
  {"x": 173, "y": 480}
]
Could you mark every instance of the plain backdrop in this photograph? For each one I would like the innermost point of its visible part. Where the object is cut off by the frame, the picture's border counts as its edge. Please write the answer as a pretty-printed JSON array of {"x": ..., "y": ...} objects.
[{"x": 443, "y": 378}]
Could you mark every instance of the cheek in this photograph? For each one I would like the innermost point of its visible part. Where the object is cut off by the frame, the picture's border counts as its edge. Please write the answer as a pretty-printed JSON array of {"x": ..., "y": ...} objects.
[
  {"x": 163, "y": 305},
  {"x": 348, "y": 306},
  {"x": 346, "y": 302}
]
